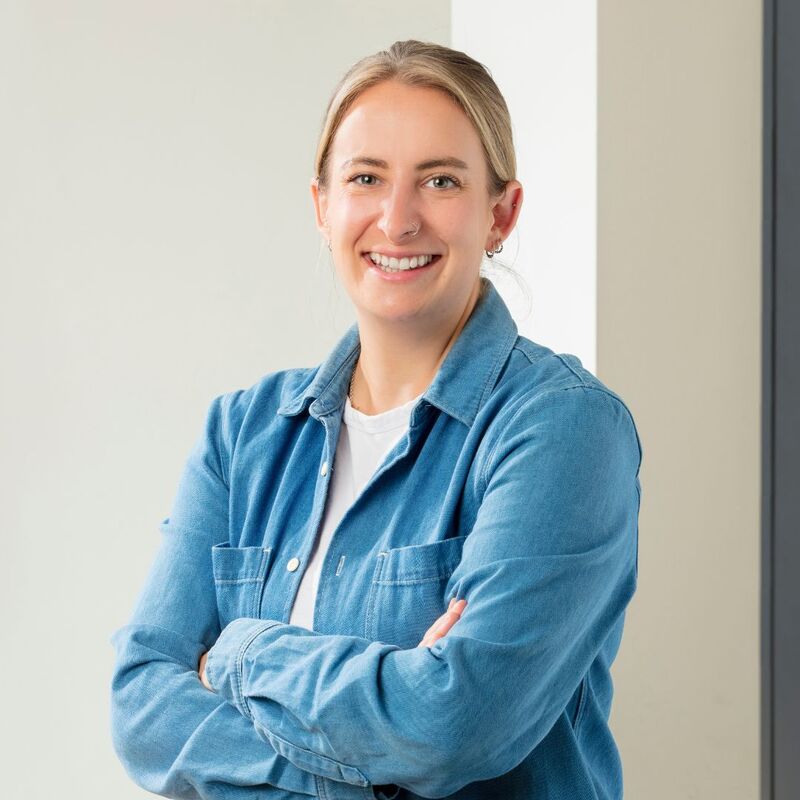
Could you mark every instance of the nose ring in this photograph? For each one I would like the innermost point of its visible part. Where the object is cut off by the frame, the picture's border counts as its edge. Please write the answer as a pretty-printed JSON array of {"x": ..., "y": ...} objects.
[{"x": 417, "y": 226}]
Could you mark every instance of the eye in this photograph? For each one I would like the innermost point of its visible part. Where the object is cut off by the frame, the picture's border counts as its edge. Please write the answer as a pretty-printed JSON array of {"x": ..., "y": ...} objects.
[
  {"x": 355, "y": 179},
  {"x": 454, "y": 181}
]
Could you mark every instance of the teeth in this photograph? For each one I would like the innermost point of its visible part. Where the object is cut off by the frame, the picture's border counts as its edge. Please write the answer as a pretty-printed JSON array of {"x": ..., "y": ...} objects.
[{"x": 399, "y": 264}]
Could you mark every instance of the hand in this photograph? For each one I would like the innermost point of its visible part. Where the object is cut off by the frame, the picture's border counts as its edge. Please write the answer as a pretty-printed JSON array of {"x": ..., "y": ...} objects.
[
  {"x": 201, "y": 670},
  {"x": 444, "y": 623}
]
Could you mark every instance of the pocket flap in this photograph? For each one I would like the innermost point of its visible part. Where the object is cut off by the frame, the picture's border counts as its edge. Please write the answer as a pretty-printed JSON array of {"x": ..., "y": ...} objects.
[
  {"x": 236, "y": 564},
  {"x": 420, "y": 562}
]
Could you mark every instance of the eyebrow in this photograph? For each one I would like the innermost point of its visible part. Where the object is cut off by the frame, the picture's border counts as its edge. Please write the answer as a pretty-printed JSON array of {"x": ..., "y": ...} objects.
[{"x": 448, "y": 161}]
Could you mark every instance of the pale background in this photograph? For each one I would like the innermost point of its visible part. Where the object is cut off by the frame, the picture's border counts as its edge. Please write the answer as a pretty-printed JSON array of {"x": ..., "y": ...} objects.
[{"x": 157, "y": 247}]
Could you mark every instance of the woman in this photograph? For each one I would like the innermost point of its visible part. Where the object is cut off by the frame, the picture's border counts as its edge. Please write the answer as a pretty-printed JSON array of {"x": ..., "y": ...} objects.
[{"x": 404, "y": 572}]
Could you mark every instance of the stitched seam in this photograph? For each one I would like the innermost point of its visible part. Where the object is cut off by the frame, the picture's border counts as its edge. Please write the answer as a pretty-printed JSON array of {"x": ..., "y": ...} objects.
[
  {"x": 262, "y": 581},
  {"x": 436, "y": 571},
  {"x": 403, "y": 581},
  {"x": 522, "y": 346},
  {"x": 224, "y": 464},
  {"x": 256, "y": 595},
  {"x": 238, "y": 671},
  {"x": 371, "y": 603},
  {"x": 326, "y": 759},
  {"x": 325, "y": 409},
  {"x": 508, "y": 344},
  {"x": 569, "y": 366},
  {"x": 581, "y": 705},
  {"x": 440, "y": 543}
]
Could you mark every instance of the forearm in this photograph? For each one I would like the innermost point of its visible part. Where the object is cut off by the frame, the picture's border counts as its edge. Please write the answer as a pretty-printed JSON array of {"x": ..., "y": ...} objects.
[
  {"x": 322, "y": 706},
  {"x": 177, "y": 739}
]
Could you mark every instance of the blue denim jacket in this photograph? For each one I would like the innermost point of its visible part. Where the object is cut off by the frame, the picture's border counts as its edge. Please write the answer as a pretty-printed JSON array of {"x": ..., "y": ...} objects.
[{"x": 516, "y": 488}]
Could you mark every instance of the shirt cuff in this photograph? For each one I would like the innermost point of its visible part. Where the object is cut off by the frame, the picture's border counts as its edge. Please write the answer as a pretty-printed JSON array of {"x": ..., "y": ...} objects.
[{"x": 224, "y": 659}]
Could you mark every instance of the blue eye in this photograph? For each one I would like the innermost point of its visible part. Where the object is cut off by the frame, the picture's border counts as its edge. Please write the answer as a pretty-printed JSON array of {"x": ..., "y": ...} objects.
[{"x": 355, "y": 178}]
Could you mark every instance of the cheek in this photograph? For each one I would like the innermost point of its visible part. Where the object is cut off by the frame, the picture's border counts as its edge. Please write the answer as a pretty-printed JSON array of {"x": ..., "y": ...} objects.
[
  {"x": 351, "y": 212},
  {"x": 463, "y": 225}
]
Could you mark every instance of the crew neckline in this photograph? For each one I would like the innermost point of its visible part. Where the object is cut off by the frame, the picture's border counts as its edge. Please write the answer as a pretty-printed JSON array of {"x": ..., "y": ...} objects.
[{"x": 378, "y": 423}]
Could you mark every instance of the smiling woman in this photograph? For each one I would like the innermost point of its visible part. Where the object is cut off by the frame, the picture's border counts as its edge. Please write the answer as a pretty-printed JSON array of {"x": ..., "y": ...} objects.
[
  {"x": 407, "y": 208},
  {"x": 403, "y": 572}
]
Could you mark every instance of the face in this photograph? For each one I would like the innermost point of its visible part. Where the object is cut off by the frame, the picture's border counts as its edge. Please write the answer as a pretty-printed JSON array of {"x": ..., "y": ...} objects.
[{"x": 404, "y": 159}]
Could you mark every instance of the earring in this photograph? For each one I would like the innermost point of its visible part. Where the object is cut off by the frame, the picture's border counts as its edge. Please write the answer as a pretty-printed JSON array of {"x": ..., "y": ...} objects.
[
  {"x": 498, "y": 249},
  {"x": 329, "y": 246}
]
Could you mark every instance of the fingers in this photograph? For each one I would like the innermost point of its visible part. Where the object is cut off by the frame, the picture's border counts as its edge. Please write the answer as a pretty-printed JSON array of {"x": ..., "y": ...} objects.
[
  {"x": 444, "y": 623},
  {"x": 201, "y": 670}
]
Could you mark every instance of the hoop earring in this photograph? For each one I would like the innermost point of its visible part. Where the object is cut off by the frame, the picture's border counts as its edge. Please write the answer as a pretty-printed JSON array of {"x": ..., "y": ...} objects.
[{"x": 497, "y": 249}]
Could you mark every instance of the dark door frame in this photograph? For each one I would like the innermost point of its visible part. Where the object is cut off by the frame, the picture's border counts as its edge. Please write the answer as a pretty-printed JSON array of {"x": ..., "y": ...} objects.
[{"x": 780, "y": 504}]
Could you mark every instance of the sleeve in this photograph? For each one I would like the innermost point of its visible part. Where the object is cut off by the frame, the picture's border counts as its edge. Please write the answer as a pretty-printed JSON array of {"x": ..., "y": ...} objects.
[
  {"x": 547, "y": 570},
  {"x": 173, "y": 736}
]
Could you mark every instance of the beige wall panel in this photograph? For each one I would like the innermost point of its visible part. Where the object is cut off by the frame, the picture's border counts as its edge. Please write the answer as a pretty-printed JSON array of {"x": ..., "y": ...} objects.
[{"x": 679, "y": 283}]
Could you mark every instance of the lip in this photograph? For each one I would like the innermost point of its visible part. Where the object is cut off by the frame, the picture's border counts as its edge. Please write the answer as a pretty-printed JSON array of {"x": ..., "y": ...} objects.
[{"x": 400, "y": 277}]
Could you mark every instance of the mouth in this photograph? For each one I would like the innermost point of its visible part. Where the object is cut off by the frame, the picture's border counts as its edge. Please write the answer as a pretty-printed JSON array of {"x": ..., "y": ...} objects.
[{"x": 390, "y": 265}]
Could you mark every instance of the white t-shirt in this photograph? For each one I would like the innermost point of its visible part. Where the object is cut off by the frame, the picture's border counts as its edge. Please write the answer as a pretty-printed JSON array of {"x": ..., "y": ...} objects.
[{"x": 364, "y": 442}]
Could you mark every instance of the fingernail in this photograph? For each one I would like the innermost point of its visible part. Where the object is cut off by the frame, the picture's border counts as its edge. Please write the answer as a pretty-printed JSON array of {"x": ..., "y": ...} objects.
[{"x": 452, "y": 600}]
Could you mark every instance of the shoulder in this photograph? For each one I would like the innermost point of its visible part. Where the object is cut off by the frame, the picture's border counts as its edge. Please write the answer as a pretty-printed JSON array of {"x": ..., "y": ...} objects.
[
  {"x": 233, "y": 411},
  {"x": 535, "y": 376},
  {"x": 542, "y": 393},
  {"x": 539, "y": 373}
]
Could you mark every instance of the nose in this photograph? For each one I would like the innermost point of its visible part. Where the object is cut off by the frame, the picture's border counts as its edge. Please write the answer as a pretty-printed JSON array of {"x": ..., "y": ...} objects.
[{"x": 399, "y": 215}]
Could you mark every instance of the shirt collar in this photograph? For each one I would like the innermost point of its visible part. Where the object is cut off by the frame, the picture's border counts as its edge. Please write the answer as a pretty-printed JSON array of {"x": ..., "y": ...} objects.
[{"x": 460, "y": 387}]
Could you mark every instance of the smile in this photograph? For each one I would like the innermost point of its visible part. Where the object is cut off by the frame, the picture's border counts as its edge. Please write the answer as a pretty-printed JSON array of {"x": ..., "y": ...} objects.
[{"x": 400, "y": 264}]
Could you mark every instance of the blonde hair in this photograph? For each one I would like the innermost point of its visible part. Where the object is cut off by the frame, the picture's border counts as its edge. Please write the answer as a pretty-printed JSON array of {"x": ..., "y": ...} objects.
[{"x": 435, "y": 66}]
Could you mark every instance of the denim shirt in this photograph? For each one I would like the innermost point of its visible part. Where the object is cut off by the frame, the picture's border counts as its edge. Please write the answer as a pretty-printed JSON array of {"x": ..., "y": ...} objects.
[{"x": 515, "y": 487}]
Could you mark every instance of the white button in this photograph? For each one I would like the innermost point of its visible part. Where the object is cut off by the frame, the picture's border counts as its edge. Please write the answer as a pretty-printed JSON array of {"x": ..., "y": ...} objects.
[
  {"x": 293, "y": 564},
  {"x": 324, "y": 470}
]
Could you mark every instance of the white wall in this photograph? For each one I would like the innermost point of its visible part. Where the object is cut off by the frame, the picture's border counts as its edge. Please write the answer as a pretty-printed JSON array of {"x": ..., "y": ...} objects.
[
  {"x": 543, "y": 56},
  {"x": 157, "y": 247}
]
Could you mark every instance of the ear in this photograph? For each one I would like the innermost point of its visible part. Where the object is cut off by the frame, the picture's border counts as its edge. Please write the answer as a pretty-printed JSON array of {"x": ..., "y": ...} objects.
[
  {"x": 320, "y": 200},
  {"x": 505, "y": 212}
]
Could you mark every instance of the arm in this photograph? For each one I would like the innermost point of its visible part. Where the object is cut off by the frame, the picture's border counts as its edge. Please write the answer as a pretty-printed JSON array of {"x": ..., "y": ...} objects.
[
  {"x": 173, "y": 736},
  {"x": 548, "y": 570}
]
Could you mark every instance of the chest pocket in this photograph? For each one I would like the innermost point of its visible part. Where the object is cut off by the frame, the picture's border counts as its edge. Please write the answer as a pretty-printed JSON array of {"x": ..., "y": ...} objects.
[
  {"x": 239, "y": 576},
  {"x": 407, "y": 593}
]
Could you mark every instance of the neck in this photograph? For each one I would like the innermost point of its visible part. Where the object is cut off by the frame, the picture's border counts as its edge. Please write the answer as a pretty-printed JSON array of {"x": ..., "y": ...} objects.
[{"x": 398, "y": 361}]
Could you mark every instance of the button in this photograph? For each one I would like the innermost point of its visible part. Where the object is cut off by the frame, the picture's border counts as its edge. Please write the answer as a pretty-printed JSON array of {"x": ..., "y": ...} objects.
[
  {"x": 293, "y": 564},
  {"x": 324, "y": 470}
]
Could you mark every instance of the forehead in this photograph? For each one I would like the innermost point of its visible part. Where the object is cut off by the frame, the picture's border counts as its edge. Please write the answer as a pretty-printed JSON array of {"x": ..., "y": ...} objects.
[{"x": 395, "y": 122}]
